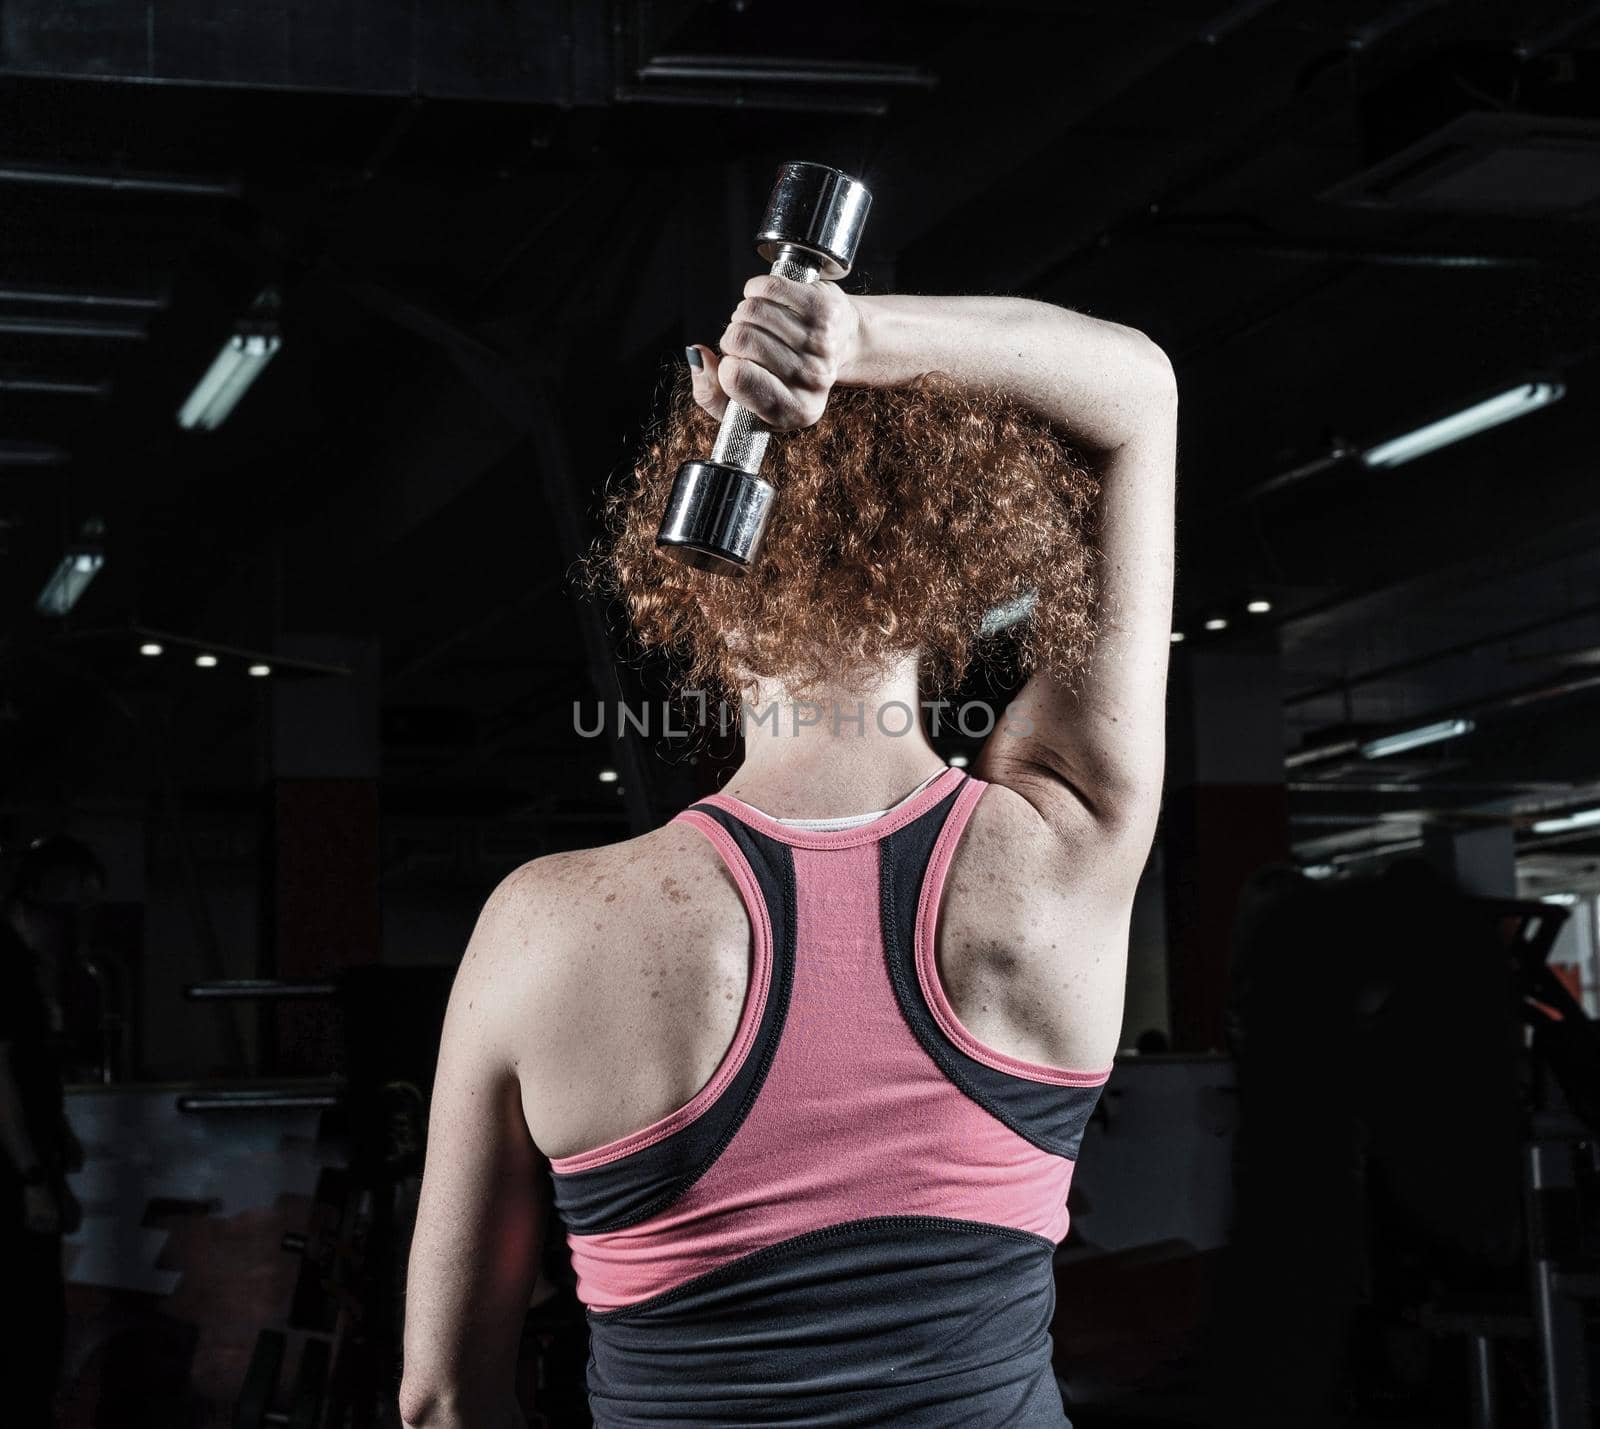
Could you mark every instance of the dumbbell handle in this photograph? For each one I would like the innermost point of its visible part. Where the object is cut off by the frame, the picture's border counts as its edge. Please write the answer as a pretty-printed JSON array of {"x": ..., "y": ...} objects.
[
  {"x": 716, "y": 513},
  {"x": 742, "y": 438}
]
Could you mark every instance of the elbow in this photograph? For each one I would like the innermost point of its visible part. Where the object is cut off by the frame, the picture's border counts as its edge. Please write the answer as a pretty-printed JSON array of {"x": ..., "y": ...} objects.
[
  {"x": 1144, "y": 366},
  {"x": 428, "y": 1402},
  {"x": 421, "y": 1403},
  {"x": 454, "y": 1396},
  {"x": 1155, "y": 370},
  {"x": 1134, "y": 364}
]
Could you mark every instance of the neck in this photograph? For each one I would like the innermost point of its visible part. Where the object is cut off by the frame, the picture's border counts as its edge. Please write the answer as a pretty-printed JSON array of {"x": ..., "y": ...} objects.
[{"x": 838, "y": 749}]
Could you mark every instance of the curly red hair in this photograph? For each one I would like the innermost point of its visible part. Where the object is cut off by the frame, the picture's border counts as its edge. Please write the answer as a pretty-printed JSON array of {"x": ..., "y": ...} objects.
[{"x": 904, "y": 517}]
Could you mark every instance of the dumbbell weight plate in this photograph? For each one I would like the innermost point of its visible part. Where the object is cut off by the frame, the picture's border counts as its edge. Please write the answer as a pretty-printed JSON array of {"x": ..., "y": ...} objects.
[
  {"x": 715, "y": 516},
  {"x": 818, "y": 209}
]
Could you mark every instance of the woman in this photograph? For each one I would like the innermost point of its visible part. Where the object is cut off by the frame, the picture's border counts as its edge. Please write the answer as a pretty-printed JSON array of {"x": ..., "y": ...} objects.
[{"x": 809, "y": 1081}]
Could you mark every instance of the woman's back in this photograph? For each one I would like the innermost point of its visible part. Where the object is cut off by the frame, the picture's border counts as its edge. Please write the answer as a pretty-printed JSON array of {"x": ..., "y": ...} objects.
[{"x": 854, "y": 1217}]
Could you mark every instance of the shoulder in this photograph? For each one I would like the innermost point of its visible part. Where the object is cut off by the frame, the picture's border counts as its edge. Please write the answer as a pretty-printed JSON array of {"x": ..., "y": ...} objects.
[
  {"x": 563, "y": 900},
  {"x": 559, "y": 928},
  {"x": 1011, "y": 844}
]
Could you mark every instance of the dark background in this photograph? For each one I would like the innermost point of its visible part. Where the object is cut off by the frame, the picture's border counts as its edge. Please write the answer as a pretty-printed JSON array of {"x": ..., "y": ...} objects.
[{"x": 491, "y": 227}]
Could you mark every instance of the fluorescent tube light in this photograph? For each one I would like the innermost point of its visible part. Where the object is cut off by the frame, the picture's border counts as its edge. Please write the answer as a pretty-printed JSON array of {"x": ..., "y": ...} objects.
[
  {"x": 261, "y": 671},
  {"x": 1416, "y": 738},
  {"x": 150, "y": 647},
  {"x": 54, "y": 386},
  {"x": 206, "y": 662},
  {"x": 1583, "y": 819},
  {"x": 1216, "y": 623},
  {"x": 959, "y": 761},
  {"x": 67, "y": 584},
  {"x": 30, "y": 454},
  {"x": 1177, "y": 637},
  {"x": 241, "y": 361},
  {"x": 1259, "y": 607},
  {"x": 1516, "y": 402},
  {"x": 608, "y": 776},
  {"x": 1008, "y": 613}
]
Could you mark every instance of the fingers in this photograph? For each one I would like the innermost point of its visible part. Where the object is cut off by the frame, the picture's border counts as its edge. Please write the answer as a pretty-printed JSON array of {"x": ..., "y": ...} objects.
[
  {"x": 780, "y": 353},
  {"x": 761, "y": 374},
  {"x": 780, "y": 322},
  {"x": 703, "y": 374},
  {"x": 753, "y": 343},
  {"x": 807, "y": 301},
  {"x": 753, "y": 387},
  {"x": 816, "y": 317}
]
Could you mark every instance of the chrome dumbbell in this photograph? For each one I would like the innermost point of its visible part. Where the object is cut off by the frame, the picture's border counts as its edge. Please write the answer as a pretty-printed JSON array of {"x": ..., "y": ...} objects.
[{"x": 718, "y": 510}]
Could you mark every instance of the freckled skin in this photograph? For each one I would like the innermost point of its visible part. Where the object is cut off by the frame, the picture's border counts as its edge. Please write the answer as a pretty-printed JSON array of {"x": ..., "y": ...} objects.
[{"x": 638, "y": 956}]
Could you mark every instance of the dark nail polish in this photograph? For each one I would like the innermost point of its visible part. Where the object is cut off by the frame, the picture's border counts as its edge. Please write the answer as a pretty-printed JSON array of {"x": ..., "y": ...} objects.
[{"x": 696, "y": 361}]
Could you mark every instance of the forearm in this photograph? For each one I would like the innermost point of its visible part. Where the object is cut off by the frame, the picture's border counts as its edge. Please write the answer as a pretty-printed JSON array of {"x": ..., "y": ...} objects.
[
  {"x": 1100, "y": 381},
  {"x": 463, "y": 1330},
  {"x": 1111, "y": 389}
]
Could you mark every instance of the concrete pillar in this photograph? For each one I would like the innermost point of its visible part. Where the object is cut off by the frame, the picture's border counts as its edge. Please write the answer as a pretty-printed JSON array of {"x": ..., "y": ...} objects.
[
  {"x": 322, "y": 888},
  {"x": 1480, "y": 861},
  {"x": 1225, "y": 815}
]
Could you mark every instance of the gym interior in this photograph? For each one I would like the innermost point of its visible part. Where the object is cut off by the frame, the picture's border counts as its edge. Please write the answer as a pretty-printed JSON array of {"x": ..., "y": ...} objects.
[{"x": 324, "y": 327}]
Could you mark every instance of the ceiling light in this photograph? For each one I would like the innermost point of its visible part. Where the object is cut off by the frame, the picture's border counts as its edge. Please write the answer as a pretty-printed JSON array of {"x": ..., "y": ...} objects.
[
  {"x": 68, "y": 582},
  {"x": 959, "y": 761},
  {"x": 31, "y": 454},
  {"x": 1564, "y": 823},
  {"x": 1318, "y": 752},
  {"x": 1515, "y": 402},
  {"x": 150, "y": 647},
  {"x": 608, "y": 776},
  {"x": 259, "y": 671},
  {"x": 243, "y": 358},
  {"x": 1259, "y": 607},
  {"x": 1008, "y": 613},
  {"x": 1416, "y": 738},
  {"x": 1177, "y": 636},
  {"x": 205, "y": 662},
  {"x": 1216, "y": 623},
  {"x": 227, "y": 380},
  {"x": 1561, "y": 900},
  {"x": 54, "y": 386}
]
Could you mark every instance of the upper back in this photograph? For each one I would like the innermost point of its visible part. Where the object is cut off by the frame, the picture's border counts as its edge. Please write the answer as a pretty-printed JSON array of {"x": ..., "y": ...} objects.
[{"x": 643, "y": 952}]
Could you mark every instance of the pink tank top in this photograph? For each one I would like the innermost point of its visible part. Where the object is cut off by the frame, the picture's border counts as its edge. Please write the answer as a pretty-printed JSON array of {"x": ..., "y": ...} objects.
[{"x": 861, "y": 1176}]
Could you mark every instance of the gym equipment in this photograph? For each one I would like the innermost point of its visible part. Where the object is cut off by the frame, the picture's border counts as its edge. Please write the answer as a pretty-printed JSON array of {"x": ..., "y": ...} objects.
[
  {"x": 717, "y": 513},
  {"x": 324, "y": 1251},
  {"x": 345, "y": 1310},
  {"x": 250, "y": 1410},
  {"x": 309, "y": 1401}
]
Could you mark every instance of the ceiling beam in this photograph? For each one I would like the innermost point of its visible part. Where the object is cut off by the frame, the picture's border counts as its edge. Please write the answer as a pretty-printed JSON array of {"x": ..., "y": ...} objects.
[{"x": 455, "y": 49}]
